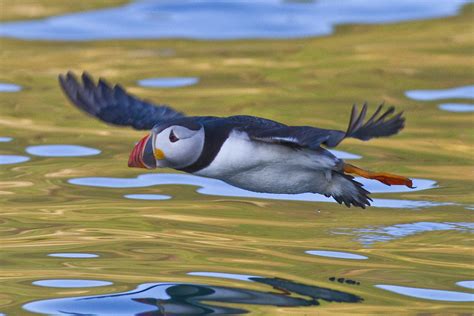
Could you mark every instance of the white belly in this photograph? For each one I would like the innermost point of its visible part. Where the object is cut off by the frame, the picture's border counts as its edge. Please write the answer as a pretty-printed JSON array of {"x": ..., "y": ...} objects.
[{"x": 270, "y": 168}]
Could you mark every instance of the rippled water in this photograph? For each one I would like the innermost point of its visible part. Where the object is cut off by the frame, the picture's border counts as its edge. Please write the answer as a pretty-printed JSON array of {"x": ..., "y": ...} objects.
[
  {"x": 61, "y": 151},
  {"x": 191, "y": 299},
  {"x": 12, "y": 159},
  {"x": 175, "y": 82},
  {"x": 465, "y": 92},
  {"x": 73, "y": 255},
  {"x": 429, "y": 294},
  {"x": 68, "y": 283},
  {"x": 225, "y": 19},
  {"x": 219, "y": 188},
  {"x": 467, "y": 284},
  {"x": 83, "y": 234},
  {"x": 336, "y": 254},
  {"x": 456, "y": 107},
  {"x": 5, "y": 139},
  {"x": 9, "y": 87},
  {"x": 371, "y": 235}
]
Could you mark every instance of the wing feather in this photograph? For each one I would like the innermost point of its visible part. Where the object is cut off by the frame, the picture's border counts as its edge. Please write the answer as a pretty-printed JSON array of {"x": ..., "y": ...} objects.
[
  {"x": 312, "y": 137},
  {"x": 114, "y": 105}
]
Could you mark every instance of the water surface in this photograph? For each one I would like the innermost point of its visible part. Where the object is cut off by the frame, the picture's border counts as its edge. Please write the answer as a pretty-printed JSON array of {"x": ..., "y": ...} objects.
[
  {"x": 151, "y": 197},
  {"x": 344, "y": 155},
  {"x": 222, "y": 275},
  {"x": 336, "y": 254},
  {"x": 73, "y": 255},
  {"x": 148, "y": 19},
  {"x": 429, "y": 294},
  {"x": 371, "y": 235},
  {"x": 457, "y": 107},
  {"x": 190, "y": 299},
  {"x": 169, "y": 82},
  {"x": 9, "y": 87},
  {"x": 71, "y": 283},
  {"x": 219, "y": 188},
  {"x": 12, "y": 159},
  {"x": 467, "y": 284},
  {"x": 209, "y": 251},
  {"x": 61, "y": 151},
  {"x": 464, "y": 92},
  {"x": 5, "y": 139}
]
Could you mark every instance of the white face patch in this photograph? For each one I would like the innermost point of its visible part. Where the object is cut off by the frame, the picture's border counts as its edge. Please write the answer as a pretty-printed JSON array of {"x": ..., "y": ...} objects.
[{"x": 181, "y": 146}]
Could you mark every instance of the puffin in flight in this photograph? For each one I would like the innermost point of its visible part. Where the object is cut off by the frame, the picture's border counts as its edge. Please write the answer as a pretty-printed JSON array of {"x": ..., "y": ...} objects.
[{"x": 248, "y": 152}]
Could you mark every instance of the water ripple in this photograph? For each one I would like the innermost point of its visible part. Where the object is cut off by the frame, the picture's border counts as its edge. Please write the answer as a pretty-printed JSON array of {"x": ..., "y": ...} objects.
[
  {"x": 12, "y": 159},
  {"x": 5, "y": 139},
  {"x": 224, "y": 19},
  {"x": 61, "y": 151},
  {"x": 190, "y": 299},
  {"x": 77, "y": 255},
  {"x": 168, "y": 82},
  {"x": 150, "y": 197},
  {"x": 466, "y": 284},
  {"x": 371, "y": 235},
  {"x": 456, "y": 107},
  {"x": 219, "y": 188},
  {"x": 71, "y": 283},
  {"x": 9, "y": 87},
  {"x": 336, "y": 254},
  {"x": 428, "y": 294},
  {"x": 465, "y": 92}
]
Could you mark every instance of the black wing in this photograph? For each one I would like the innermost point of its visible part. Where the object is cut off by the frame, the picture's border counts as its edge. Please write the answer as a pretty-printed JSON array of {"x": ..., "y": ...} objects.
[
  {"x": 114, "y": 105},
  {"x": 313, "y": 137}
]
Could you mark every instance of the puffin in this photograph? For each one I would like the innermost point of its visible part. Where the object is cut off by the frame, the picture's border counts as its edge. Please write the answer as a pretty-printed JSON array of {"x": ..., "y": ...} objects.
[{"x": 248, "y": 152}]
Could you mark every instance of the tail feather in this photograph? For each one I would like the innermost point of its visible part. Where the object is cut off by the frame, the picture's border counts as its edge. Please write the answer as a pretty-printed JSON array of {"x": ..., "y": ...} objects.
[
  {"x": 375, "y": 126},
  {"x": 345, "y": 190}
]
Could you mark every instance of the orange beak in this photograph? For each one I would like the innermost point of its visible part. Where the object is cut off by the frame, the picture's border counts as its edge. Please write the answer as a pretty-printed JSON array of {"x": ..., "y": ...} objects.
[{"x": 137, "y": 156}]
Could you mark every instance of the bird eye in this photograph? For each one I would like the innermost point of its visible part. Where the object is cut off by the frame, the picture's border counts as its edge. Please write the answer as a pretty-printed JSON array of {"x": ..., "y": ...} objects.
[{"x": 173, "y": 137}]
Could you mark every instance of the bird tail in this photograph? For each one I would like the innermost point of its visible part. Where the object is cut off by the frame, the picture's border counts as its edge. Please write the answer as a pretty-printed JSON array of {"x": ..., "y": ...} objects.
[
  {"x": 376, "y": 126},
  {"x": 384, "y": 177},
  {"x": 345, "y": 190}
]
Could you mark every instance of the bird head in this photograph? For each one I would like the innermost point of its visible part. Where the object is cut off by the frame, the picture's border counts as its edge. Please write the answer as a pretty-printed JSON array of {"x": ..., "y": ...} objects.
[{"x": 176, "y": 145}]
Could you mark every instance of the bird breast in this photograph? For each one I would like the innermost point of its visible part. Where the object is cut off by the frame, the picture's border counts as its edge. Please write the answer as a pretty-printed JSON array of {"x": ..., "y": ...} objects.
[{"x": 265, "y": 167}]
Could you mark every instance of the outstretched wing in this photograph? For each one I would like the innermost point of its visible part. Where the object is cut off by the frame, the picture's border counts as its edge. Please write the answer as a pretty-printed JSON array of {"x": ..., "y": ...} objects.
[
  {"x": 311, "y": 137},
  {"x": 113, "y": 104}
]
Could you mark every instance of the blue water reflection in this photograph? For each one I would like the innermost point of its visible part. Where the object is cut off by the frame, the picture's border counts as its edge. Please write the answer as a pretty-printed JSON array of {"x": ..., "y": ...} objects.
[
  {"x": 12, "y": 159},
  {"x": 464, "y": 92},
  {"x": 190, "y": 299},
  {"x": 428, "y": 294},
  {"x": 370, "y": 235},
  {"x": 151, "y": 197},
  {"x": 5, "y": 139},
  {"x": 61, "y": 151},
  {"x": 456, "y": 107},
  {"x": 222, "y": 275},
  {"x": 77, "y": 255},
  {"x": 467, "y": 284},
  {"x": 168, "y": 82},
  {"x": 71, "y": 283},
  {"x": 219, "y": 188},
  {"x": 344, "y": 155},
  {"x": 336, "y": 254},
  {"x": 9, "y": 87},
  {"x": 231, "y": 19}
]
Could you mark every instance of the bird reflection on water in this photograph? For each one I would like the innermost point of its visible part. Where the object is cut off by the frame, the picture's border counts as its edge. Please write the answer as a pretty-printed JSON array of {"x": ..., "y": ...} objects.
[{"x": 187, "y": 299}]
